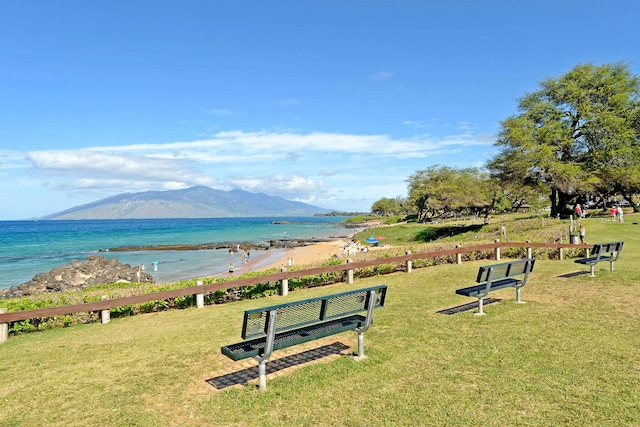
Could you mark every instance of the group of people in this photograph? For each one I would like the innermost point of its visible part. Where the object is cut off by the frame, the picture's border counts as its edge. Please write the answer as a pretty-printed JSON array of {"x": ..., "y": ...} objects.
[
  {"x": 352, "y": 247},
  {"x": 616, "y": 213},
  {"x": 246, "y": 256},
  {"x": 154, "y": 264}
]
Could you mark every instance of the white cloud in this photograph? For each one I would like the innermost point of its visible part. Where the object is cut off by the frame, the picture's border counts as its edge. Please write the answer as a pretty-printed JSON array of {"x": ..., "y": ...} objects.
[
  {"x": 105, "y": 169},
  {"x": 293, "y": 187},
  {"x": 381, "y": 75},
  {"x": 327, "y": 169},
  {"x": 418, "y": 124}
]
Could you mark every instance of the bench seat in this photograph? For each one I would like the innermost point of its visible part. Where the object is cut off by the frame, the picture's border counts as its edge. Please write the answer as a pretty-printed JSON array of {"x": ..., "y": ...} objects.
[
  {"x": 474, "y": 291},
  {"x": 254, "y": 347},
  {"x": 593, "y": 260}
]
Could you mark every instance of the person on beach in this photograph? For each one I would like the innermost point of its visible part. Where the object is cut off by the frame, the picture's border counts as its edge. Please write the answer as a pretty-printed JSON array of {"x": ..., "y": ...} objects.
[{"x": 230, "y": 269}]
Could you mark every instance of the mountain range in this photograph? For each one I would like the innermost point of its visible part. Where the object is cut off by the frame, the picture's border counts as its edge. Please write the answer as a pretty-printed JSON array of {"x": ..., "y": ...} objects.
[{"x": 193, "y": 202}]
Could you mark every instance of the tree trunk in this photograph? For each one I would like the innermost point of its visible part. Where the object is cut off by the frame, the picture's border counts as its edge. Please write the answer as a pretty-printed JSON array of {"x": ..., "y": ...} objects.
[
  {"x": 563, "y": 200},
  {"x": 553, "y": 200}
]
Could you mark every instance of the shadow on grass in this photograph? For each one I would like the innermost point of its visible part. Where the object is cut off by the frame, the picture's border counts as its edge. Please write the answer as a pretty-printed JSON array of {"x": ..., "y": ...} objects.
[
  {"x": 574, "y": 274},
  {"x": 432, "y": 233},
  {"x": 467, "y": 307},
  {"x": 244, "y": 376}
]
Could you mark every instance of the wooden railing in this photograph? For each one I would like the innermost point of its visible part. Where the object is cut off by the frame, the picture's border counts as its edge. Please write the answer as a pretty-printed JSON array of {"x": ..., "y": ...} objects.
[{"x": 104, "y": 305}]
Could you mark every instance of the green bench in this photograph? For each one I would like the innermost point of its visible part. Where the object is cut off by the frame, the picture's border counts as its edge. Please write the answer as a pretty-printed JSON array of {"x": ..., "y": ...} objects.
[
  {"x": 499, "y": 276},
  {"x": 284, "y": 325},
  {"x": 609, "y": 251}
]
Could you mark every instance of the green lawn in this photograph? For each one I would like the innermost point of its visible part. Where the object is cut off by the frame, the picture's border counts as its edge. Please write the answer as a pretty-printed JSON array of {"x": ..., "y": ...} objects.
[{"x": 570, "y": 356}]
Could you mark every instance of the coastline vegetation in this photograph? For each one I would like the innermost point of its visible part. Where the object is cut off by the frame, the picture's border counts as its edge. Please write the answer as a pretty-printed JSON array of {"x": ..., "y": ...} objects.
[{"x": 398, "y": 238}]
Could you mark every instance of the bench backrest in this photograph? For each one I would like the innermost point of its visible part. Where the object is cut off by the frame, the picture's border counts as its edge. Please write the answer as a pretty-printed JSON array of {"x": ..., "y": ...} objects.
[
  {"x": 602, "y": 249},
  {"x": 504, "y": 270},
  {"x": 311, "y": 311}
]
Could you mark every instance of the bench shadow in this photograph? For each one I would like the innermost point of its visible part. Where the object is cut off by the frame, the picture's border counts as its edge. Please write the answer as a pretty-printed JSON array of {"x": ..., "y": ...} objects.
[
  {"x": 574, "y": 274},
  {"x": 244, "y": 376},
  {"x": 467, "y": 307}
]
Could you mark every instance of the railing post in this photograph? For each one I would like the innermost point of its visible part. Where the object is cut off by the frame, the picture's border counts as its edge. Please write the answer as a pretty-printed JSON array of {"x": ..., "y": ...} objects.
[
  {"x": 105, "y": 315},
  {"x": 284, "y": 285},
  {"x": 200, "y": 296},
  {"x": 458, "y": 255},
  {"x": 409, "y": 262},
  {"x": 349, "y": 273},
  {"x": 529, "y": 249},
  {"x": 497, "y": 250},
  {"x": 4, "y": 327}
]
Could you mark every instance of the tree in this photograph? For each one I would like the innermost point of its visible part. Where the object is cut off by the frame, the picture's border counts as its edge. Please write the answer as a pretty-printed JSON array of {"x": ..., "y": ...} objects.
[
  {"x": 387, "y": 207},
  {"x": 577, "y": 134},
  {"x": 441, "y": 191}
]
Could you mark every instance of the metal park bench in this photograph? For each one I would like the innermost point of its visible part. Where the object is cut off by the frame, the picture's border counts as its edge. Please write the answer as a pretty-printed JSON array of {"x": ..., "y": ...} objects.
[
  {"x": 609, "y": 251},
  {"x": 498, "y": 276},
  {"x": 284, "y": 325}
]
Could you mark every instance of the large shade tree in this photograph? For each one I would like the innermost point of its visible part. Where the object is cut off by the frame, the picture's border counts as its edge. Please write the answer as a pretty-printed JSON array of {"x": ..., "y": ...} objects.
[
  {"x": 577, "y": 134},
  {"x": 387, "y": 206},
  {"x": 442, "y": 191}
]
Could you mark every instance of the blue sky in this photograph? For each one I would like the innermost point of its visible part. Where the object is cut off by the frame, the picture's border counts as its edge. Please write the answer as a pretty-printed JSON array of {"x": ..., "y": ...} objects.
[{"x": 332, "y": 103}]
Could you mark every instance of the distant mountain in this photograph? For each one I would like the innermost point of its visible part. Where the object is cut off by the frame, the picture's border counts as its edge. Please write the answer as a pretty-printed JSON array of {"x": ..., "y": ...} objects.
[{"x": 194, "y": 202}]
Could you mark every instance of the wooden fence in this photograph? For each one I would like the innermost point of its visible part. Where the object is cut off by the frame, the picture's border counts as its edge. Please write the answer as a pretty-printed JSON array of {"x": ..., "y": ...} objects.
[{"x": 106, "y": 304}]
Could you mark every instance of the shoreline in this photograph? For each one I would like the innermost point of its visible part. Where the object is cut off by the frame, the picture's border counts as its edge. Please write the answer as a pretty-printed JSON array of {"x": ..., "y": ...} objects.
[{"x": 314, "y": 253}]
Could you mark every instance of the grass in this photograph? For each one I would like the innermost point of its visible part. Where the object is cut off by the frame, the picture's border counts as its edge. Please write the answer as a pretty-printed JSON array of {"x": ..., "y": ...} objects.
[{"x": 569, "y": 356}]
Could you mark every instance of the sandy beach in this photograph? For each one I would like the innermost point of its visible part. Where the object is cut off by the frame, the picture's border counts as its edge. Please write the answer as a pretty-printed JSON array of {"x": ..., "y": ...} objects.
[
  {"x": 279, "y": 258},
  {"x": 311, "y": 254}
]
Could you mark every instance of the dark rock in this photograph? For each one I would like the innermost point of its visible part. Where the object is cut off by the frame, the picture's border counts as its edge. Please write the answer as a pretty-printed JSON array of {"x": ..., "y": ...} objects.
[
  {"x": 188, "y": 247},
  {"x": 78, "y": 275},
  {"x": 294, "y": 243}
]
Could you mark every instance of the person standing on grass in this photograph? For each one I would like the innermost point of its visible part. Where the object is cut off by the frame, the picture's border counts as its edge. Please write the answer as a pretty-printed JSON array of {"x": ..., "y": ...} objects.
[
  {"x": 582, "y": 234},
  {"x": 578, "y": 209},
  {"x": 619, "y": 214}
]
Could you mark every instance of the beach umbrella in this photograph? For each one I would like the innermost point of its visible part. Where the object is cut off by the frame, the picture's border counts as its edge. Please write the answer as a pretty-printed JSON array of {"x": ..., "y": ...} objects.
[{"x": 371, "y": 240}]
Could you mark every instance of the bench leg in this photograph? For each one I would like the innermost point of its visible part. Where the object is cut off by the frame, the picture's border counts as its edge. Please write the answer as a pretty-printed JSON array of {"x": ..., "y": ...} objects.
[
  {"x": 518, "y": 301},
  {"x": 371, "y": 303},
  {"x": 268, "y": 348},
  {"x": 262, "y": 373},
  {"x": 592, "y": 269},
  {"x": 480, "y": 305},
  {"x": 360, "y": 345},
  {"x": 611, "y": 266}
]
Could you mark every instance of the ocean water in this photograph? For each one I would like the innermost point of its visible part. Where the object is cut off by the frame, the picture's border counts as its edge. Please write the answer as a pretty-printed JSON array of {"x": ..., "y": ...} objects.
[{"x": 31, "y": 247}]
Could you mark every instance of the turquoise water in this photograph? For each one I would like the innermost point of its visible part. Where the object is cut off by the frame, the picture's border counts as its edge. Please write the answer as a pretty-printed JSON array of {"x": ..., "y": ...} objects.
[{"x": 31, "y": 247}]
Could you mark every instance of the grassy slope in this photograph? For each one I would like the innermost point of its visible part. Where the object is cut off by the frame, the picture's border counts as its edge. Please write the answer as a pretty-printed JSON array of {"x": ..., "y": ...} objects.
[{"x": 569, "y": 356}]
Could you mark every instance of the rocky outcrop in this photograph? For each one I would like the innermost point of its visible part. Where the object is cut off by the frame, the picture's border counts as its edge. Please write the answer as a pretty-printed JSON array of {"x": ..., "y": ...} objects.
[
  {"x": 294, "y": 243},
  {"x": 77, "y": 275}
]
